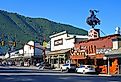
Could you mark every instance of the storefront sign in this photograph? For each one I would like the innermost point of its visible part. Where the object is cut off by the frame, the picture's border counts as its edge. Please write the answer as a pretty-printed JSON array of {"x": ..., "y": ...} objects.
[
  {"x": 102, "y": 51},
  {"x": 58, "y": 42}
]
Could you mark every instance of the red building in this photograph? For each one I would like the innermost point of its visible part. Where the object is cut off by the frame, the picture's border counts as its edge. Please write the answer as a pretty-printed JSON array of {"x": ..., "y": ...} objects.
[{"x": 92, "y": 51}]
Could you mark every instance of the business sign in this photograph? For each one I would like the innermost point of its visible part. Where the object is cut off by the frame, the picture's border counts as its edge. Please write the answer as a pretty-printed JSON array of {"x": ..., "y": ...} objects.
[{"x": 58, "y": 42}]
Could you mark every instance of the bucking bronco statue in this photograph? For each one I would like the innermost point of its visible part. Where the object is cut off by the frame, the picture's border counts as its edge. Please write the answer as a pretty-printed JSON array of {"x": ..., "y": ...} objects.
[{"x": 93, "y": 20}]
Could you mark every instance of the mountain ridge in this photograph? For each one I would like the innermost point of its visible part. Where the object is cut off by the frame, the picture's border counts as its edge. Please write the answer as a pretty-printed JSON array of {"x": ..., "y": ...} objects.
[{"x": 24, "y": 29}]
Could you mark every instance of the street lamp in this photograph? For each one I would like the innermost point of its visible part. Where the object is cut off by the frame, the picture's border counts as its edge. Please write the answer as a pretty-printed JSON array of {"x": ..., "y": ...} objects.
[
  {"x": 104, "y": 58},
  {"x": 108, "y": 66}
]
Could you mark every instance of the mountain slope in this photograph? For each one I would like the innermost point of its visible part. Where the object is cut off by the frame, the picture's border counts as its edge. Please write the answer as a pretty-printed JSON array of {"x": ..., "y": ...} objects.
[{"x": 26, "y": 28}]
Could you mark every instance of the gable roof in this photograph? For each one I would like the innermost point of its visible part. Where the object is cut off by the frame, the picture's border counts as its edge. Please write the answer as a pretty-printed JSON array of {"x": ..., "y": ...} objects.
[{"x": 100, "y": 38}]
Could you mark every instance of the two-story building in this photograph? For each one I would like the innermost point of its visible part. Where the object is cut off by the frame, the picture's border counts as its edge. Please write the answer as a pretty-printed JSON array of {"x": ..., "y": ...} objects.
[
  {"x": 60, "y": 45},
  {"x": 30, "y": 54},
  {"x": 33, "y": 52}
]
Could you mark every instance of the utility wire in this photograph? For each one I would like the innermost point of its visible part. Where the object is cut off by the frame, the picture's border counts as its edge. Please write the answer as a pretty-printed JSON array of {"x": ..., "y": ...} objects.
[{"x": 103, "y": 32}]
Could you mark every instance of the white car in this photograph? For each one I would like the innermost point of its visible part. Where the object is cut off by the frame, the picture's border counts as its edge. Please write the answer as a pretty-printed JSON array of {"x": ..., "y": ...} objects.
[
  {"x": 86, "y": 69},
  {"x": 68, "y": 67}
]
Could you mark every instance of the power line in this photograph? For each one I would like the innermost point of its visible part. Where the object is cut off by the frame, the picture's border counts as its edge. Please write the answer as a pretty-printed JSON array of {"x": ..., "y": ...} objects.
[{"x": 103, "y": 32}]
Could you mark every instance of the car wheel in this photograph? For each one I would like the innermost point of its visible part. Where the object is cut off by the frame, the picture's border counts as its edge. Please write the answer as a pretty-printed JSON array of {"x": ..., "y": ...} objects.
[
  {"x": 67, "y": 70},
  {"x": 61, "y": 70},
  {"x": 83, "y": 71}
]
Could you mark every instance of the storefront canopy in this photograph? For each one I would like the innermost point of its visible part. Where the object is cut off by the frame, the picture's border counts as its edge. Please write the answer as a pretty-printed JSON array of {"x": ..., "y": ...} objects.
[
  {"x": 114, "y": 53},
  {"x": 58, "y": 52}
]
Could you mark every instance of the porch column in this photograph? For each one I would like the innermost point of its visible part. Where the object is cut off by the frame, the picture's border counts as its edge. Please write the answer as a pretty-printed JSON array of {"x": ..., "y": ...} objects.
[
  {"x": 77, "y": 62},
  {"x": 95, "y": 60},
  {"x": 58, "y": 61},
  {"x": 49, "y": 58},
  {"x": 108, "y": 66},
  {"x": 64, "y": 59}
]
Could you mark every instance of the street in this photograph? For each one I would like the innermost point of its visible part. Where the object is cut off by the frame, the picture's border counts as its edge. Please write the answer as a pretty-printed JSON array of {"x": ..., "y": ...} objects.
[
  {"x": 8, "y": 74},
  {"x": 47, "y": 78}
]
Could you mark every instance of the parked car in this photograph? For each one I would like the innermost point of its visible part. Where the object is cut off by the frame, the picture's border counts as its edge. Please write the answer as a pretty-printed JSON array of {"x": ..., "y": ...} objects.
[
  {"x": 68, "y": 67},
  {"x": 86, "y": 69}
]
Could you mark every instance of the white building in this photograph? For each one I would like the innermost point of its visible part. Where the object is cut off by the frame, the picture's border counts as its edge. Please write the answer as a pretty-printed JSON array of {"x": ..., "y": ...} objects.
[
  {"x": 33, "y": 52},
  {"x": 60, "y": 45},
  {"x": 63, "y": 40},
  {"x": 16, "y": 54},
  {"x": 32, "y": 49},
  {"x": 30, "y": 54}
]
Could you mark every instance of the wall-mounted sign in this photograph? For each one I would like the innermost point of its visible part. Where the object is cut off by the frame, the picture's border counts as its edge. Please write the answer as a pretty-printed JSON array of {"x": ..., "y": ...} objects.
[
  {"x": 102, "y": 51},
  {"x": 58, "y": 42}
]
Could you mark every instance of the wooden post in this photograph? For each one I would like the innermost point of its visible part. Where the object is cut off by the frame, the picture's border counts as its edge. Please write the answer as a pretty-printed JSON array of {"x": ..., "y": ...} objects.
[{"x": 95, "y": 61}]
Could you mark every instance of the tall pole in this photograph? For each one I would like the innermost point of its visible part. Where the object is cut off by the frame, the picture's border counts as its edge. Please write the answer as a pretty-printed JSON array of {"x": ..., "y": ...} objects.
[{"x": 44, "y": 50}]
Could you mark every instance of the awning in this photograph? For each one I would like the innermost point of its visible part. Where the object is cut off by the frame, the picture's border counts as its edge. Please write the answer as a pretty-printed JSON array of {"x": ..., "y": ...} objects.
[
  {"x": 114, "y": 53},
  {"x": 58, "y": 51}
]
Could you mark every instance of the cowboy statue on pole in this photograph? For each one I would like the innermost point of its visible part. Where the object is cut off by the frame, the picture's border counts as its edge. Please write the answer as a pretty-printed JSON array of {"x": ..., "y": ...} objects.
[{"x": 92, "y": 20}]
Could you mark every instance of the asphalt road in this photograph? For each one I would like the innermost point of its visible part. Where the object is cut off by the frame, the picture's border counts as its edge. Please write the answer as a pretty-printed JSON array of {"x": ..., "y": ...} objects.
[
  {"x": 54, "y": 78},
  {"x": 33, "y": 75}
]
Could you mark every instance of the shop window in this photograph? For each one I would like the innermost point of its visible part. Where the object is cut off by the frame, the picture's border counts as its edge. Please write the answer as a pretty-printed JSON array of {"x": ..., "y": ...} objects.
[{"x": 55, "y": 61}]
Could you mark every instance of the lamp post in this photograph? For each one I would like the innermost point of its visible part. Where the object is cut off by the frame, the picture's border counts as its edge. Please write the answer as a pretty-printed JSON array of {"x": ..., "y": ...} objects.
[
  {"x": 108, "y": 66},
  {"x": 104, "y": 58}
]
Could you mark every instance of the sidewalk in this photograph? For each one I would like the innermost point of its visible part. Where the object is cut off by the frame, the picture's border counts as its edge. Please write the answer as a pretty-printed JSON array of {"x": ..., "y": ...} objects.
[
  {"x": 109, "y": 75},
  {"x": 56, "y": 69},
  {"x": 22, "y": 67}
]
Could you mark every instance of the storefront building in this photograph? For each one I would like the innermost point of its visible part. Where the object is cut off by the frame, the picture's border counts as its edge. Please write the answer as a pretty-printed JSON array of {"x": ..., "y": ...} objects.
[
  {"x": 33, "y": 53},
  {"x": 114, "y": 58},
  {"x": 30, "y": 54},
  {"x": 60, "y": 45},
  {"x": 92, "y": 51}
]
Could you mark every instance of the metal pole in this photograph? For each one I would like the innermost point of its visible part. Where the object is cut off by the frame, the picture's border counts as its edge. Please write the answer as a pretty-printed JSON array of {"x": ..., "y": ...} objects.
[{"x": 108, "y": 66}]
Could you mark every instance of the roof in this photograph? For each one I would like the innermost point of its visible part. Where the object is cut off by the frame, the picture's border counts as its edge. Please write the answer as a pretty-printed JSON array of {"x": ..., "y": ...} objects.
[
  {"x": 100, "y": 38},
  {"x": 58, "y": 51},
  {"x": 58, "y": 34},
  {"x": 114, "y": 53}
]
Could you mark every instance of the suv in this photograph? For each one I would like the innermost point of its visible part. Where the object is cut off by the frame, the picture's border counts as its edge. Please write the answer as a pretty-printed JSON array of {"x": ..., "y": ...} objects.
[{"x": 68, "y": 67}]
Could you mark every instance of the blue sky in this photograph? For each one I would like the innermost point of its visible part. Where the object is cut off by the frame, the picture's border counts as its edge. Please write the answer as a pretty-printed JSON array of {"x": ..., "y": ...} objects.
[{"x": 73, "y": 12}]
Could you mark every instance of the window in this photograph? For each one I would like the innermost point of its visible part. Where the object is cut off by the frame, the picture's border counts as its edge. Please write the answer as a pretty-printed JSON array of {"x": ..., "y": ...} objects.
[{"x": 95, "y": 35}]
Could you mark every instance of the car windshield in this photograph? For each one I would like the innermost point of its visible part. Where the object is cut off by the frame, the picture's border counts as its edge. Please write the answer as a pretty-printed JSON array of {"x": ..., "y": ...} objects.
[
  {"x": 65, "y": 64},
  {"x": 82, "y": 66},
  {"x": 90, "y": 66}
]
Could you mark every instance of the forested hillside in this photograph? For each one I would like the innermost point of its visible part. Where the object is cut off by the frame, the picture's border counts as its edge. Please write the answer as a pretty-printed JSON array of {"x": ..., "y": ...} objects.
[{"x": 22, "y": 29}]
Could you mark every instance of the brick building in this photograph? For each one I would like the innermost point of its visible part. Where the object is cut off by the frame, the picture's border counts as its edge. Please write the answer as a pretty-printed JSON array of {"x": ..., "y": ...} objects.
[{"x": 92, "y": 51}]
